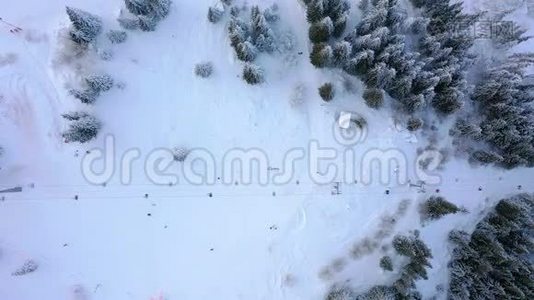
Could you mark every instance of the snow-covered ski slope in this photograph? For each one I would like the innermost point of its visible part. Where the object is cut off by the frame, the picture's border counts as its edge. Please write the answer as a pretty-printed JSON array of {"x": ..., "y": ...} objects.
[{"x": 289, "y": 241}]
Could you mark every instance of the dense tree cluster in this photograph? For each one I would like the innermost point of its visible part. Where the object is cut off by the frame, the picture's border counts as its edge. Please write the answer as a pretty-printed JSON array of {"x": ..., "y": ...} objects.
[
  {"x": 445, "y": 36},
  {"x": 417, "y": 254},
  {"x": 248, "y": 38},
  {"x": 379, "y": 292},
  {"x": 380, "y": 58},
  {"x": 82, "y": 128},
  {"x": 429, "y": 71},
  {"x": 328, "y": 20},
  {"x": 251, "y": 37},
  {"x": 495, "y": 261},
  {"x": 500, "y": 131}
]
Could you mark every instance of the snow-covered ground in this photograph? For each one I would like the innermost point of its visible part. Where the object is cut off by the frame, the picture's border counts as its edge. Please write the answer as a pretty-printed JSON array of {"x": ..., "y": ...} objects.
[{"x": 256, "y": 241}]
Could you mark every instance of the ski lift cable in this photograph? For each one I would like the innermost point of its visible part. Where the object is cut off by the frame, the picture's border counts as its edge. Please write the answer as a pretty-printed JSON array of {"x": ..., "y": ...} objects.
[{"x": 308, "y": 194}]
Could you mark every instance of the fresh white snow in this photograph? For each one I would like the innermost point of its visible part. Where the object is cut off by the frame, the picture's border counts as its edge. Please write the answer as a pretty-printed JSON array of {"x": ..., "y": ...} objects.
[{"x": 242, "y": 243}]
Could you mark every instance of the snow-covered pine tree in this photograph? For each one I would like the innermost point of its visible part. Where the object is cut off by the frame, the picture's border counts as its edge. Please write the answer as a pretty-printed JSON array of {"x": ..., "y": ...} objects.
[
  {"x": 486, "y": 157},
  {"x": 215, "y": 14},
  {"x": 381, "y": 59},
  {"x": 414, "y": 124},
  {"x": 147, "y": 23},
  {"x": 413, "y": 103},
  {"x": 403, "y": 245},
  {"x": 86, "y": 26},
  {"x": 237, "y": 31},
  {"x": 466, "y": 129},
  {"x": 506, "y": 33},
  {"x": 29, "y": 266},
  {"x": 253, "y": 74},
  {"x": 82, "y": 128},
  {"x": 327, "y": 18},
  {"x": 87, "y": 96},
  {"x": 321, "y": 31},
  {"x": 128, "y": 22},
  {"x": 157, "y": 9},
  {"x": 503, "y": 99},
  {"x": 436, "y": 207},
  {"x": 386, "y": 263},
  {"x": 381, "y": 292},
  {"x": 380, "y": 76},
  {"x": 262, "y": 35},
  {"x": 336, "y": 10},
  {"x": 246, "y": 51},
  {"x": 338, "y": 292},
  {"x": 117, "y": 36},
  {"x": 339, "y": 25},
  {"x": 99, "y": 82},
  {"x": 149, "y": 12},
  {"x": 204, "y": 69},
  {"x": 364, "y": 5},
  {"x": 160, "y": 8},
  {"x": 271, "y": 13},
  {"x": 315, "y": 10},
  {"x": 265, "y": 43},
  {"x": 326, "y": 91},
  {"x": 374, "y": 98},
  {"x": 444, "y": 46},
  {"x": 494, "y": 261},
  {"x": 180, "y": 153},
  {"x": 360, "y": 63},
  {"x": 138, "y": 7},
  {"x": 418, "y": 255},
  {"x": 96, "y": 84},
  {"x": 75, "y": 116},
  {"x": 341, "y": 53},
  {"x": 321, "y": 55}
]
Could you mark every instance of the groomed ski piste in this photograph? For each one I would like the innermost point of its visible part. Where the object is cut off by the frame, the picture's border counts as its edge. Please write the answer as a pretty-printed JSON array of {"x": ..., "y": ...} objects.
[{"x": 186, "y": 241}]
